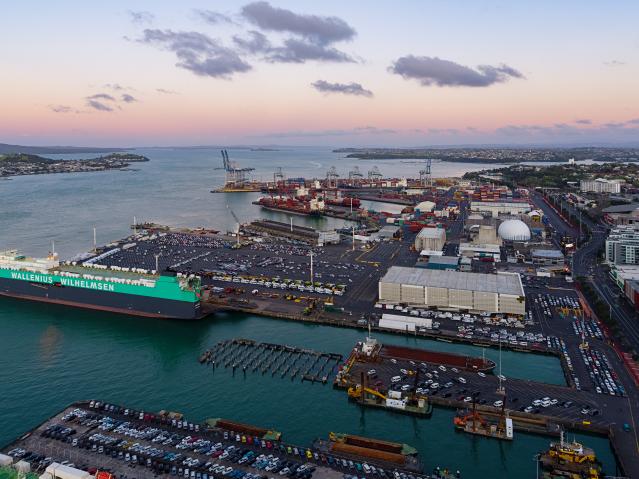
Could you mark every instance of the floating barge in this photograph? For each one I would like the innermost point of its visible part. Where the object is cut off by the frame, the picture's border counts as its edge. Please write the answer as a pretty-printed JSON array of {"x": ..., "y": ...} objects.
[
  {"x": 451, "y": 360},
  {"x": 472, "y": 422},
  {"x": 238, "y": 427},
  {"x": 375, "y": 451}
]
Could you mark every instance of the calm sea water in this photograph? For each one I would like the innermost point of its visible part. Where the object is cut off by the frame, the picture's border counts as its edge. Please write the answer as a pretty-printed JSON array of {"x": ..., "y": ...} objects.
[
  {"x": 52, "y": 355},
  {"x": 174, "y": 188}
]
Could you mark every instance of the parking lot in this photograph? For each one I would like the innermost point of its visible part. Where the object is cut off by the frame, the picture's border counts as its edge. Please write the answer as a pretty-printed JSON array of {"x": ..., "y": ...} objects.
[
  {"x": 461, "y": 387},
  {"x": 579, "y": 340},
  {"x": 136, "y": 444}
]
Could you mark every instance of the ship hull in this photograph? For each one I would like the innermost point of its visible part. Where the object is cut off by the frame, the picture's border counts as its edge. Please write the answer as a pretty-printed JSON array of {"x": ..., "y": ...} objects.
[
  {"x": 120, "y": 303},
  {"x": 292, "y": 211}
]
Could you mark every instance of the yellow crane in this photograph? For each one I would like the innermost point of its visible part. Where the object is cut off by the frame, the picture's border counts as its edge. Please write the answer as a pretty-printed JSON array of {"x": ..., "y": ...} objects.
[{"x": 356, "y": 392}]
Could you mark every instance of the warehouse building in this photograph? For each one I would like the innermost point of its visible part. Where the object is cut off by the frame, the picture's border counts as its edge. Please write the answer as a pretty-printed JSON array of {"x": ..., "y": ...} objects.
[
  {"x": 454, "y": 290},
  {"x": 432, "y": 239},
  {"x": 496, "y": 208}
]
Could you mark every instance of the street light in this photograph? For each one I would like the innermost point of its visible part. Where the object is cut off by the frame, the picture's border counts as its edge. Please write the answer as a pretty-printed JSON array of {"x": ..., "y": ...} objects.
[{"x": 536, "y": 458}]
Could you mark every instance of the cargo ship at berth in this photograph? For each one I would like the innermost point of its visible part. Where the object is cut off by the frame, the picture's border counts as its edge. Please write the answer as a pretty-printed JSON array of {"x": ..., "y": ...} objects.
[
  {"x": 93, "y": 286},
  {"x": 290, "y": 205}
]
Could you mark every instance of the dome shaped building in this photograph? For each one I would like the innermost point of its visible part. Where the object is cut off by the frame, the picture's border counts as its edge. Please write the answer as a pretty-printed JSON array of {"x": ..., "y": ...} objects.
[{"x": 514, "y": 230}]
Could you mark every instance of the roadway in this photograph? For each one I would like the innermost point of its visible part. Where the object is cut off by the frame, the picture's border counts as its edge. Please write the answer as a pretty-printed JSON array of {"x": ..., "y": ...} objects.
[{"x": 585, "y": 264}]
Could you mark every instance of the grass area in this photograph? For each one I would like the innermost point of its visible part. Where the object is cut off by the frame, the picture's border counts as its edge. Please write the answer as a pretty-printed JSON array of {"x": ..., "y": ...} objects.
[{"x": 11, "y": 473}]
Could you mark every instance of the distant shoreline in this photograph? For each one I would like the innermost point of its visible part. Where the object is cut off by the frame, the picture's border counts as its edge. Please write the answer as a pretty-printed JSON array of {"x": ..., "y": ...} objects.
[
  {"x": 22, "y": 164},
  {"x": 495, "y": 155}
]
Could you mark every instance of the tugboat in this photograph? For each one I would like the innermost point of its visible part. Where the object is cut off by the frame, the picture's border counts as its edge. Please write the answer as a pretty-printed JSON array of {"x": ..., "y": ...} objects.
[{"x": 569, "y": 460}]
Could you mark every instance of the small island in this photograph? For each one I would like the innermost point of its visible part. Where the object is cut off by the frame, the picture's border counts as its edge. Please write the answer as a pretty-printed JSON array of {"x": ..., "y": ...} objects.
[{"x": 20, "y": 164}]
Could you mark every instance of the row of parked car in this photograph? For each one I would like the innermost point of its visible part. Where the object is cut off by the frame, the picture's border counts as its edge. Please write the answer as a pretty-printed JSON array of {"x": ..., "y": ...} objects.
[
  {"x": 191, "y": 446},
  {"x": 37, "y": 462},
  {"x": 603, "y": 376}
]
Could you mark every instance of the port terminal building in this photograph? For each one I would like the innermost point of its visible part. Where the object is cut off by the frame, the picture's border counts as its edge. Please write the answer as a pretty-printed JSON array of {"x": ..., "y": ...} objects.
[
  {"x": 454, "y": 290},
  {"x": 496, "y": 208}
]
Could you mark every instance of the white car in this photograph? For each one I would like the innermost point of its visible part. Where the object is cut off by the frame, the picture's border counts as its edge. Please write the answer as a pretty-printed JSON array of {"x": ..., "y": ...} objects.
[
  {"x": 396, "y": 379},
  {"x": 498, "y": 403},
  {"x": 482, "y": 375},
  {"x": 461, "y": 380}
]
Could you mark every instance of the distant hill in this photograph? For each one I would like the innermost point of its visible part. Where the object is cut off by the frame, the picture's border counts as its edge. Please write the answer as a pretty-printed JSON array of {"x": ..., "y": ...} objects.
[
  {"x": 41, "y": 150},
  {"x": 23, "y": 158}
]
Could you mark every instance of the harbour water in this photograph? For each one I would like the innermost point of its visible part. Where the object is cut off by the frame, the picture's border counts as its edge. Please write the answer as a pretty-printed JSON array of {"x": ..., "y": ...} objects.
[
  {"x": 52, "y": 355},
  {"x": 173, "y": 188}
]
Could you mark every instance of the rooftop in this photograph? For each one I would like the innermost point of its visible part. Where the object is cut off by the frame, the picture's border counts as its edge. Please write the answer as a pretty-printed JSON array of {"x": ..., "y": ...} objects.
[
  {"x": 431, "y": 233},
  {"x": 547, "y": 253},
  {"x": 447, "y": 260},
  {"x": 503, "y": 283},
  {"x": 621, "y": 208}
]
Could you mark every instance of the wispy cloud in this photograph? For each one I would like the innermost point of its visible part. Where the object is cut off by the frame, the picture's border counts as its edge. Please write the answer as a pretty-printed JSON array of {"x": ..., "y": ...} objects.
[
  {"x": 343, "y": 88},
  {"x": 126, "y": 98},
  {"x": 101, "y": 102},
  {"x": 435, "y": 71},
  {"x": 115, "y": 86},
  {"x": 98, "y": 105},
  {"x": 61, "y": 108},
  {"x": 562, "y": 132},
  {"x": 164, "y": 91},
  {"x": 141, "y": 17},
  {"x": 614, "y": 63},
  {"x": 364, "y": 130},
  {"x": 443, "y": 131},
  {"x": 197, "y": 52},
  {"x": 213, "y": 18},
  {"x": 101, "y": 96},
  {"x": 583, "y": 121}
]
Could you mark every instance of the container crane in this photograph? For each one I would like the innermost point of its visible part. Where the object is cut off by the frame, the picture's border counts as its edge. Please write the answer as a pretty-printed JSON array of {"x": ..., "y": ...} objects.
[
  {"x": 374, "y": 174},
  {"x": 236, "y": 177},
  {"x": 331, "y": 178},
  {"x": 425, "y": 177},
  {"x": 355, "y": 176}
]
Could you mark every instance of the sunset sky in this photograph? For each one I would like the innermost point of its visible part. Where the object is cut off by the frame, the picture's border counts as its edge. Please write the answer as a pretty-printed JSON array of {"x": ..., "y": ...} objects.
[{"x": 344, "y": 73}]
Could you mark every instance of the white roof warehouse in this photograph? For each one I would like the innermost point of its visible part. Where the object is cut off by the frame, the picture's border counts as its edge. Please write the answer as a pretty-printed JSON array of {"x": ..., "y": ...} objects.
[{"x": 493, "y": 293}]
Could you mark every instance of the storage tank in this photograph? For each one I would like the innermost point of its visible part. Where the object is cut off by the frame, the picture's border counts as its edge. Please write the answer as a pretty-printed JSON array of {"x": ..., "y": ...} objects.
[{"x": 514, "y": 230}]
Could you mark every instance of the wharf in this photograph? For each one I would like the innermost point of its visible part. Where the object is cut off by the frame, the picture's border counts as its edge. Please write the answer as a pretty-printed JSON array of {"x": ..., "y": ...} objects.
[
  {"x": 382, "y": 199},
  {"x": 84, "y": 419}
]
